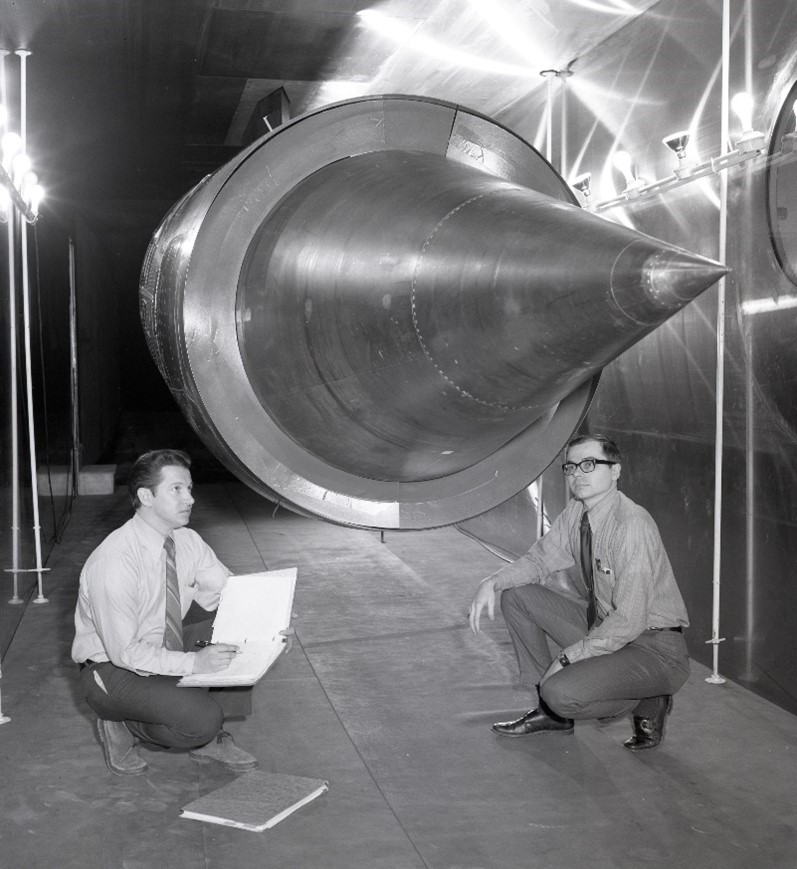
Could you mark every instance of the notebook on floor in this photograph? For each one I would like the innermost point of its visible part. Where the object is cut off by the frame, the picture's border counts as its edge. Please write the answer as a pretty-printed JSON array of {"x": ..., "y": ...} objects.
[{"x": 255, "y": 800}]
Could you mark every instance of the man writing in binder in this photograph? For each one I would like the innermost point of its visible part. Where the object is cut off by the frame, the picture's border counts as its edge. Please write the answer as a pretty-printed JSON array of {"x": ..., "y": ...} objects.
[
  {"x": 143, "y": 619},
  {"x": 618, "y": 628}
]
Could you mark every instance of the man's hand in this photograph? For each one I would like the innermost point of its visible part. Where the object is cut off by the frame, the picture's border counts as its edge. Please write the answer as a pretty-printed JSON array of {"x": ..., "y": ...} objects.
[
  {"x": 485, "y": 596},
  {"x": 214, "y": 658},
  {"x": 287, "y": 638}
]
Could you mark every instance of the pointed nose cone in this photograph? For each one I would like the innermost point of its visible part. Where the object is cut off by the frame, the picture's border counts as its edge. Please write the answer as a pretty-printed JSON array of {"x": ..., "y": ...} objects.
[{"x": 651, "y": 280}]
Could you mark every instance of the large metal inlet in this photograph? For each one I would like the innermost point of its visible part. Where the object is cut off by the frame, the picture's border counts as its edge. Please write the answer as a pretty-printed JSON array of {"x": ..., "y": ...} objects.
[{"x": 391, "y": 313}]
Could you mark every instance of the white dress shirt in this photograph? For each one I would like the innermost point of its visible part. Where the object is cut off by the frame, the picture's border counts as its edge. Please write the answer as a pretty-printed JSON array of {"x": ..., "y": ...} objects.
[{"x": 120, "y": 614}]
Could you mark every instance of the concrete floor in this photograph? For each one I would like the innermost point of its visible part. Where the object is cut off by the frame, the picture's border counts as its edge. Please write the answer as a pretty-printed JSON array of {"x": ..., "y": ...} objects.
[{"x": 388, "y": 696}]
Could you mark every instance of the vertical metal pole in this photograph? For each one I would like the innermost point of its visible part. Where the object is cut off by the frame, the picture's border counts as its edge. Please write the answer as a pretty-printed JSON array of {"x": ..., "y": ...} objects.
[
  {"x": 549, "y": 75},
  {"x": 23, "y": 54},
  {"x": 715, "y": 640},
  {"x": 73, "y": 369},
  {"x": 563, "y": 76},
  {"x": 4, "y": 719},
  {"x": 749, "y": 441},
  {"x": 12, "y": 350}
]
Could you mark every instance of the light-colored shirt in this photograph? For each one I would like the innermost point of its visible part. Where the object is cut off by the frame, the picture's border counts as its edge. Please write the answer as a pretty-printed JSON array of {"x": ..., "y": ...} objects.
[
  {"x": 635, "y": 587},
  {"x": 120, "y": 614}
]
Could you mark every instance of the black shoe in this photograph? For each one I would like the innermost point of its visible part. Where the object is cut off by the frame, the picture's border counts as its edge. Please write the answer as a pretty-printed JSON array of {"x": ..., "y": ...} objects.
[
  {"x": 535, "y": 721},
  {"x": 649, "y": 732}
]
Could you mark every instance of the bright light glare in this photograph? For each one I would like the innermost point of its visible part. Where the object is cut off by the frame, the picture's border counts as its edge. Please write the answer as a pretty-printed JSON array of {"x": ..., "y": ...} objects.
[
  {"x": 742, "y": 104},
  {"x": 19, "y": 166},
  {"x": 763, "y": 306},
  {"x": 400, "y": 33},
  {"x": 609, "y": 7},
  {"x": 336, "y": 90},
  {"x": 10, "y": 145},
  {"x": 36, "y": 197},
  {"x": 622, "y": 161},
  {"x": 29, "y": 181}
]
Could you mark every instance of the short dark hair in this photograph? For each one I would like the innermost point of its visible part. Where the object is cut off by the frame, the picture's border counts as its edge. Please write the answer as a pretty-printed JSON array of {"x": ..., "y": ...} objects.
[
  {"x": 610, "y": 449},
  {"x": 146, "y": 470}
]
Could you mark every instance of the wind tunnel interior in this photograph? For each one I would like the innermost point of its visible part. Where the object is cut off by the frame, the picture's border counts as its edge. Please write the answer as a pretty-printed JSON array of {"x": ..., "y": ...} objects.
[{"x": 658, "y": 396}]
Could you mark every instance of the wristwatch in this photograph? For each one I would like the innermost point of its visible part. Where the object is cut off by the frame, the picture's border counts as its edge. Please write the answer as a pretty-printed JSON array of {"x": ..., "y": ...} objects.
[{"x": 564, "y": 660}]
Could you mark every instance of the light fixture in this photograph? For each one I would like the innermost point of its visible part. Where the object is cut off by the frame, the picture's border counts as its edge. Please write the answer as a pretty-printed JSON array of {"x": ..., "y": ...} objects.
[
  {"x": 36, "y": 196},
  {"x": 622, "y": 161},
  {"x": 10, "y": 145},
  {"x": 751, "y": 139},
  {"x": 582, "y": 184},
  {"x": 677, "y": 143}
]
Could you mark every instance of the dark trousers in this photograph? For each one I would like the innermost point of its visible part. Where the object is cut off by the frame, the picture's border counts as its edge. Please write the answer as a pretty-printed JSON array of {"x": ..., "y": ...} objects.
[
  {"x": 655, "y": 663},
  {"x": 154, "y": 708}
]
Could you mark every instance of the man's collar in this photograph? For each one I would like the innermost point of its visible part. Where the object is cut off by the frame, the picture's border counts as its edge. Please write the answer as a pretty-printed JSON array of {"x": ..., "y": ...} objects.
[
  {"x": 599, "y": 510},
  {"x": 150, "y": 537}
]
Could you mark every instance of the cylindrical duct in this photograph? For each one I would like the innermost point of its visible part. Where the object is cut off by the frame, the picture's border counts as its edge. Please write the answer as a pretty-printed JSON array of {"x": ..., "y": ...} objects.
[{"x": 390, "y": 313}]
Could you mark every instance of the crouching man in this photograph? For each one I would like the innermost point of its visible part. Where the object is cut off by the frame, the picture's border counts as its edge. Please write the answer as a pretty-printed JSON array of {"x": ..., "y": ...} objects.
[
  {"x": 145, "y": 607},
  {"x": 619, "y": 631}
]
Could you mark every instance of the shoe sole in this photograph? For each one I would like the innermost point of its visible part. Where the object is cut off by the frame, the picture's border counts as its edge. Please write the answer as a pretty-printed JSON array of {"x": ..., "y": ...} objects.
[
  {"x": 537, "y": 733},
  {"x": 106, "y": 754}
]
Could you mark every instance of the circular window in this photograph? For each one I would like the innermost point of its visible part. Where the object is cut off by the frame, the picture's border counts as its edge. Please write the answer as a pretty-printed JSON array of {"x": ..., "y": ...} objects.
[{"x": 782, "y": 187}]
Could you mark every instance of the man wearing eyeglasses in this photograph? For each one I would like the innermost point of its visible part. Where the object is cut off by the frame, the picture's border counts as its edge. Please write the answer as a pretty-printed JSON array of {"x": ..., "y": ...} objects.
[{"x": 600, "y": 587}]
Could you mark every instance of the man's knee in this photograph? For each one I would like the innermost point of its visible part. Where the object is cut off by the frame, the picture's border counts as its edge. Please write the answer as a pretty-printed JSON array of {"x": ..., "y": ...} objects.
[
  {"x": 199, "y": 722},
  {"x": 559, "y": 695}
]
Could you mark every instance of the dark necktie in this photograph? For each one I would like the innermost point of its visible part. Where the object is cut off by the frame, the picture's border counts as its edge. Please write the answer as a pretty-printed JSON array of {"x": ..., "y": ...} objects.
[
  {"x": 586, "y": 568},
  {"x": 173, "y": 630}
]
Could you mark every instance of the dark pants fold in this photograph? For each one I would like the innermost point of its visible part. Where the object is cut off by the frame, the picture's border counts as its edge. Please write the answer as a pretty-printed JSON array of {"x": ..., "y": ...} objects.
[
  {"x": 154, "y": 708},
  {"x": 655, "y": 663}
]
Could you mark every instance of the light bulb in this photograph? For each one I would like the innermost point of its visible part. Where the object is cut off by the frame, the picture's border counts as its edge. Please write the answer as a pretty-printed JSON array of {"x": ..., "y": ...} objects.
[
  {"x": 582, "y": 183},
  {"x": 742, "y": 104},
  {"x": 10, "y": 145},
  {"x": 29, "y": 181},
  {"x": 19, "y": 166},
  {"x": 622, "y": 161},
  {"x": 677, "y": 143},
  {"x": 36, "y": 196},
  {"x": 750, "y": 140}
]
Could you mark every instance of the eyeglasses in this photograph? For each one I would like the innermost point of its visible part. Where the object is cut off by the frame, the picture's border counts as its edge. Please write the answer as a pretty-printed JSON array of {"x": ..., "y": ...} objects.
[{"x": 587, "y": 466}]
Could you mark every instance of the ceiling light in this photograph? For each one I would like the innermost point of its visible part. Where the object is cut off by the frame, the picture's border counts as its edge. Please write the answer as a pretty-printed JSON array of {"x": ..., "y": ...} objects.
[
  {"x": 622, "y": 161},
  {"x": 10, "y": 145},
  {"x": 582, "y": 183},
  {"x": 751, "y": 140},
  {"x": 677, "y": 143}
]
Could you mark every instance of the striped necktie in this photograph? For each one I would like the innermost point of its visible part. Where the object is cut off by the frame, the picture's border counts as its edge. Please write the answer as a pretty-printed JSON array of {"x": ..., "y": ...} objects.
[
  {"x": 586, "y": 568},
  {"x": 173, "y": 630}
]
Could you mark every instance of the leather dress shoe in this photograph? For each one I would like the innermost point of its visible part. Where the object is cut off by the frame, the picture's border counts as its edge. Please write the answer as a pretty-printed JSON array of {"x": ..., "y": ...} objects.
[
  {"x": 649, "y": 732},
  {"x": 120, "y": 748},
  {"x": 224, "y": 751},
  {"x": 535, "y": 721}
]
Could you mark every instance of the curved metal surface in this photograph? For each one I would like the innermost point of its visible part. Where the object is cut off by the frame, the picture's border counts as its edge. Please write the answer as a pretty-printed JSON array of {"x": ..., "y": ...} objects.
[{"x": 391, "y": 314}]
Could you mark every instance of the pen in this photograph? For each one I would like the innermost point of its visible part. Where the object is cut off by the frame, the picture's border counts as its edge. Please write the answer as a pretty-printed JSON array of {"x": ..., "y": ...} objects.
[{"x": 203, "y": 643}]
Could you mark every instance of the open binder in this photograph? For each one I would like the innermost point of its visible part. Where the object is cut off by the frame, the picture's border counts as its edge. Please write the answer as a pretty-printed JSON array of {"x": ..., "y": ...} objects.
[{"x": 253, "y": 609}]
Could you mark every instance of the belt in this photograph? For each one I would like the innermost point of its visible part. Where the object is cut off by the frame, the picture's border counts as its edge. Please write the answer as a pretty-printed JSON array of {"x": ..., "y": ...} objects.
[
  {"x": 87, "y": 663},
  {"x": 679, "y": 628}
]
